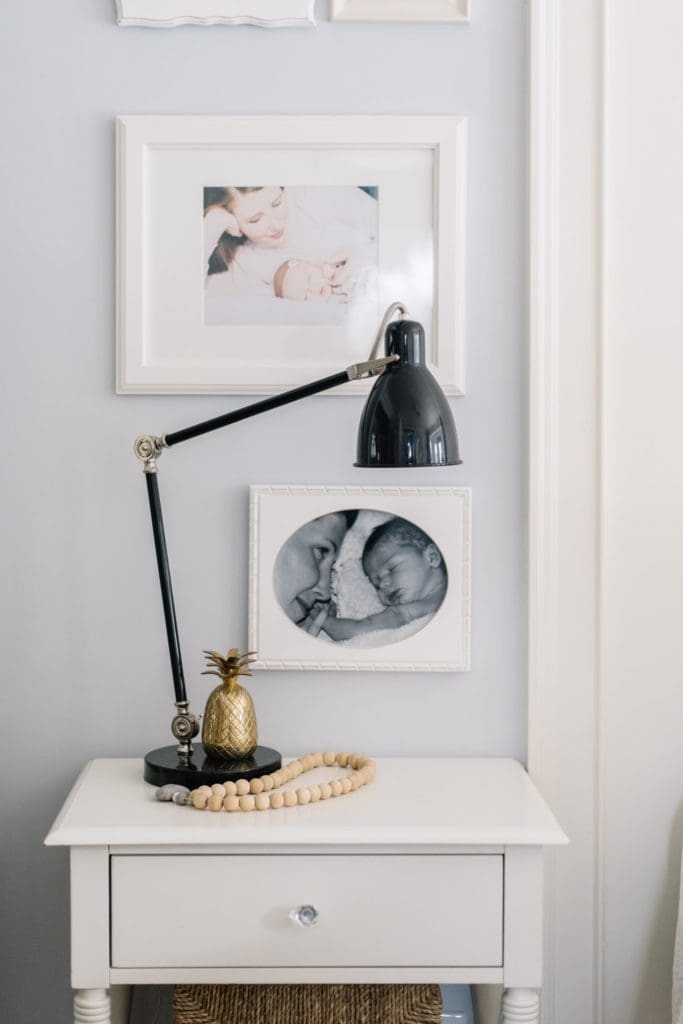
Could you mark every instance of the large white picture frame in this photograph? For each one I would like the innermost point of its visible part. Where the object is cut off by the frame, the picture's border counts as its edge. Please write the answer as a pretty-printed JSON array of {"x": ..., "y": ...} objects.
[
  {"x": 175, "y": 336},
  {"x": 171, "y": 13},
  {"x": 324, "y": 558},
  {"x": 401, "y": 10}
]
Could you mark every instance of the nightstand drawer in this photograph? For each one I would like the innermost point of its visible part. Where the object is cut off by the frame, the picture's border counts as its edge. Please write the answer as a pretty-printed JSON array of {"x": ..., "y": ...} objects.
[{"x": 234, "y": 911}]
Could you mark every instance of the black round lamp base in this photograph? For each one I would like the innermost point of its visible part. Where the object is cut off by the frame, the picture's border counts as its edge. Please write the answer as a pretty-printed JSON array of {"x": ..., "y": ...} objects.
[{"x": 165, "y": 765}]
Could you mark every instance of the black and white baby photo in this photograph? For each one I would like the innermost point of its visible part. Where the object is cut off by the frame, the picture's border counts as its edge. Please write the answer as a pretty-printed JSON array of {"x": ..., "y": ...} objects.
[{"x": 361, "y": 578}]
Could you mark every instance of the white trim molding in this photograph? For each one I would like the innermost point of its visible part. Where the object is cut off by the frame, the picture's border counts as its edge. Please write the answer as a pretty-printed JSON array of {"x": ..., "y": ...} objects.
[
  {"x": 564, "y": 508},
  {"x": 171, "y": 13},
  {"x": 401, "y": 10}
]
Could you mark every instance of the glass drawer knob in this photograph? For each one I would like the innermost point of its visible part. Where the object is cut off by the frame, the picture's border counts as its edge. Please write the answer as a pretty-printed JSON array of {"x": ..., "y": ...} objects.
[{"x": 306, "y": 916}]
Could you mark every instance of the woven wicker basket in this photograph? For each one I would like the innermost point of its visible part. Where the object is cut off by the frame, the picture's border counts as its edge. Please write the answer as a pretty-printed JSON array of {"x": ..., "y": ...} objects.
[{"x": 307, "y": 1004}]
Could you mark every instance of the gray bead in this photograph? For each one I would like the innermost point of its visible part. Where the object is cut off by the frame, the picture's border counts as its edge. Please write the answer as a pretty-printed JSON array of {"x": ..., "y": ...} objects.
[
  {"x": 182, "y": 796},
  {"x": 166, "y": 793}
]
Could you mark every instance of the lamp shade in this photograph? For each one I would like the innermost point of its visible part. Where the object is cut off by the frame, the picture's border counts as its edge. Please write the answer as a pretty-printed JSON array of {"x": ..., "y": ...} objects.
[{"x": 407, "y": 420}]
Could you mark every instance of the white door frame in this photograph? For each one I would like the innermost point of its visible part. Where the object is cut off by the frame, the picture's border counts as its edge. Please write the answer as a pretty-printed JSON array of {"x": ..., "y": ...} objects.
[{"x": 565, "y": 329}]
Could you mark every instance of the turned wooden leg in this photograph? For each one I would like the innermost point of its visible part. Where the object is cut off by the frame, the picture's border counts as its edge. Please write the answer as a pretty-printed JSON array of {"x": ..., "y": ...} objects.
[
  {"x": 92, "y": 1006},
  {"x": 521, "y": 1006}
]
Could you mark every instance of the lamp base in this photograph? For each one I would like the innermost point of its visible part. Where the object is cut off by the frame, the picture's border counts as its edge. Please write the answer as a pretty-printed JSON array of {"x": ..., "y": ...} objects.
[{"x": 165, "y": 765}]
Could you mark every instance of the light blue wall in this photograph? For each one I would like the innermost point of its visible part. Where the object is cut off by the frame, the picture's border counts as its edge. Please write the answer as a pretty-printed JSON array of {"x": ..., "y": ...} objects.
[{"x": 84, "y": 659}]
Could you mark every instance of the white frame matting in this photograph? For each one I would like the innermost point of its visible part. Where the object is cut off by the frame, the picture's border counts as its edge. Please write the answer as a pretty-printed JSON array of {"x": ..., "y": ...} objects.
[
  {"x": 171, "y": 13},
  {"x": 401, "y": 10},
  {"x": 166, "y": 342},
  {"x": 442, "y": 645}
]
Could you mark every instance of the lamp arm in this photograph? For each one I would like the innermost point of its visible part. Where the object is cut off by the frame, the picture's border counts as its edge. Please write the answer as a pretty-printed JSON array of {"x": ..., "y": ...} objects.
[
  {"x": 355, "y": 372},
  {"x": 148, "y": 448},
  {"x": 255, "y": 409}
]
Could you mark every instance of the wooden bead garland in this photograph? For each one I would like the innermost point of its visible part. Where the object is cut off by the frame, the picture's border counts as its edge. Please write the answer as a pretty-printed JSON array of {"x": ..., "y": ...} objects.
[{"x": 263, "y": 793}]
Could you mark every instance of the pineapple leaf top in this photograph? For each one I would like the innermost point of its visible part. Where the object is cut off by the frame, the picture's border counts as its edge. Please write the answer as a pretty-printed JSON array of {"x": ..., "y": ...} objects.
[{"x": 230, "y": 665}]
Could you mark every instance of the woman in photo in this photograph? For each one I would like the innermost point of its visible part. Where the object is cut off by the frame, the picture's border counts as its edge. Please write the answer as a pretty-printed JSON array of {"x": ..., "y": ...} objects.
[{"x": 303, "y": 569}]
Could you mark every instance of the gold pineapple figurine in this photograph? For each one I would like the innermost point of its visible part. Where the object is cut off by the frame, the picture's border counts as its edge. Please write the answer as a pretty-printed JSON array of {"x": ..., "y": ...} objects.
[{"x": 229, "y": 731}]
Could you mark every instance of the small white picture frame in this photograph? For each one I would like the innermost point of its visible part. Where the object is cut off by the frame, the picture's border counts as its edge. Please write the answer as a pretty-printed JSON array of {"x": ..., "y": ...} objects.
[
  {"x": 183, "y": 327},
  {"x": 171, "y": 13},
  {"x": 401, "y": 10},
  {"x": 389, "y": 567}
]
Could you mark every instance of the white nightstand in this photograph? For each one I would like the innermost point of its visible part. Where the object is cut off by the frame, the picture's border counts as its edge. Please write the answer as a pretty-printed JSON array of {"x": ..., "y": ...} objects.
[{"x": 434, "y": 873}]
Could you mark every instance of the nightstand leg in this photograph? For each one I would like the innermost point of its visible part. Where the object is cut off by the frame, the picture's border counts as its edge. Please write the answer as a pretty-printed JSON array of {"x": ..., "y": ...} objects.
[
  {"x": 521, "y": 1006},
  {"x": 92, "y": 1006}
]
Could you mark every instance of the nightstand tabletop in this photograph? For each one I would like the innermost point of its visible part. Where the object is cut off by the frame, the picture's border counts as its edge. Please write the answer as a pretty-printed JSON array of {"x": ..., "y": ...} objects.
[{"x": 413, "y": 802}]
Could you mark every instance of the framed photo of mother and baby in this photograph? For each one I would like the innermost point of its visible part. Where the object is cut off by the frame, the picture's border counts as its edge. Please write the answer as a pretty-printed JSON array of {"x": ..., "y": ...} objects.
[
  {"x": 256, "y": 254},
  {"x": 360, "y": 578}
]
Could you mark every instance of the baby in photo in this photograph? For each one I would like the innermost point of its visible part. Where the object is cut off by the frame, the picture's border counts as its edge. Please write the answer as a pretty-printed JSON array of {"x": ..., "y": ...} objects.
[
  {"x": 309, "y": 281},
  {"x": 303, "y": 281},
  {"x": 408, "y": 574}
]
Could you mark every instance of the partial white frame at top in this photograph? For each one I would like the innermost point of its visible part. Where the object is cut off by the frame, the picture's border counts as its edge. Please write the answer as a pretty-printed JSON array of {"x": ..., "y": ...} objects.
[
  {"x": 171, "y": 13},
  {"x": 401, "y": 10}
]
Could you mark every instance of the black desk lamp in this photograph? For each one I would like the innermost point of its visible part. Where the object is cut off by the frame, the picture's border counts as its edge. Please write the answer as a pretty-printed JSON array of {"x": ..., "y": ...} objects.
[{"x": 406, "y": 422}]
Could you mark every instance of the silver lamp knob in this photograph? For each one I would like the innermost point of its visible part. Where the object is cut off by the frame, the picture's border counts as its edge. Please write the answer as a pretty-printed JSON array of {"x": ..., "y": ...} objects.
[{"x": 306, "y": 915}]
